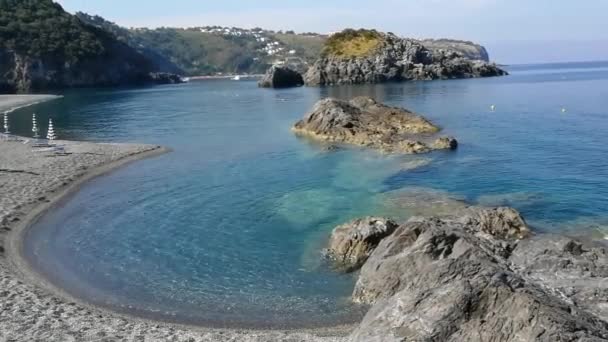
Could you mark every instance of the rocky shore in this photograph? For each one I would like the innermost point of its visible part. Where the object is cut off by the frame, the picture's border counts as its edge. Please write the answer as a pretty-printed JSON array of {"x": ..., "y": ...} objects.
[
  {"x": 363, "y": 121},
  {"x": 368, "y": 56},
  {"x": 478, "y": 275}
]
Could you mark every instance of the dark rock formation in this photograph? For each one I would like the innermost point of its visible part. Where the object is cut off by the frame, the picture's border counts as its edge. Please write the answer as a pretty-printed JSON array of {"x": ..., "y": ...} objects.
[
  {"x": 351, "y": 244},
  {"x": 281, "y": 77},
  {"x": 396, "y": 59},
  {"x": 472, "y": 277},
  {"x": 467, "y": 49},
  {"x": 362, "y": 121},
  {"x": 165, "y": 78}
]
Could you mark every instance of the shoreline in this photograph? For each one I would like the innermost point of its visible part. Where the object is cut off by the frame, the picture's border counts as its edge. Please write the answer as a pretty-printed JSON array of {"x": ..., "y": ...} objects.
[
  {"x": 11, "y": 103},
  {"x": 24, "y": 282}
]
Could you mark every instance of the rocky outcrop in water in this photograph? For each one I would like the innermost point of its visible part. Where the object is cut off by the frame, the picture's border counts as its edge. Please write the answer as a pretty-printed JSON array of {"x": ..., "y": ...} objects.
[
  {"x": 281, "y": 77},
  {"x": 352, "y": 243},
  {"x": 467, "y": 49},
  {"x": 481, "y": 276},
  {"x": 363, "y": 121},
  {"x": 165, "y": 78},
  {"x": 390, "y": 58}
]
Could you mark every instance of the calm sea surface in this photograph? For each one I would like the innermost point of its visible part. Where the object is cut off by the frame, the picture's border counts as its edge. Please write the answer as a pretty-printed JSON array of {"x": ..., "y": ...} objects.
[{"x": 227, "y": 229}]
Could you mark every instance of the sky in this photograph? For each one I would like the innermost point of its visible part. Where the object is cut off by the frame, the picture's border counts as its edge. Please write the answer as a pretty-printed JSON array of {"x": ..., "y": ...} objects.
[{"x": 513, "y": 31}]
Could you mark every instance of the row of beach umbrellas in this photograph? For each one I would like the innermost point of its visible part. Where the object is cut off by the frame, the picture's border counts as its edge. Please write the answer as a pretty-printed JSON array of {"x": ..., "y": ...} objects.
[{"x": 50, "y": 135}]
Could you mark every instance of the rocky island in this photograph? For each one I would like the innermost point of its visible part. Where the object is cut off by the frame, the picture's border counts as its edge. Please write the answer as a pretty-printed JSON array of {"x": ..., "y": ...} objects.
[
  {"x": 363, "y": 121},
  {"x": 479, "y": 275},
  {"x": 369, "y": 56}
]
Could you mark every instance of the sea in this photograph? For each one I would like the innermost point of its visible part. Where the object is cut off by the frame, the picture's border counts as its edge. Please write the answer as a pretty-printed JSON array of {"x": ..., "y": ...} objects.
[{"x": 228, "y": 229}]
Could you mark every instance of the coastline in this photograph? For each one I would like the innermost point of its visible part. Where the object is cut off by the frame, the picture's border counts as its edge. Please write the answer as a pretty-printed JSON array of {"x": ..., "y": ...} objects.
[
  {"x": 10, "y": 103},
  {"x": 31, "y": 307}
]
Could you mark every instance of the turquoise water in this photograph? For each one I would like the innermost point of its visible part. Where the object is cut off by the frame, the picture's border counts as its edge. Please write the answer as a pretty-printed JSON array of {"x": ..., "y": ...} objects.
[{"x": 227, "y": 229}]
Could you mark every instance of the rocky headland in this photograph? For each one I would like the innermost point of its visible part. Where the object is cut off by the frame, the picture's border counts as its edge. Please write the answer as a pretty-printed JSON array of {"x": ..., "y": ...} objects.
[
  {"x": 467, "y": 49},
  {"x": 368, "y": 56},
  {"x": 476, "y": 275},
  {"x": 364, "y": 122}
]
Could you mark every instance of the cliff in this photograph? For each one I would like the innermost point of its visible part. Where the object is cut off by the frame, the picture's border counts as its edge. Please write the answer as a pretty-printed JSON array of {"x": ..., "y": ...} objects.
[
  {"x": 368, "y": 56},
  {"x": 43, "y": 47}
]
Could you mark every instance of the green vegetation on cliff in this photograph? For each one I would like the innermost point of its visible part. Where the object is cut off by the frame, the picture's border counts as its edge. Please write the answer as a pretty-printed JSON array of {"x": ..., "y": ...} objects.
[
  {"x": 352, "y": 43},
  {"x": 38, "y": 28},
  {"x": 42, "y": 46}
]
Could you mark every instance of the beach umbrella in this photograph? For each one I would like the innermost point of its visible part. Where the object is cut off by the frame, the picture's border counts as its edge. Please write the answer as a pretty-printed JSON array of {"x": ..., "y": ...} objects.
[
  {"x": 6, "y": 123},
  {"x": 35, "y": 129},
  {"x": 50, "y": 135}
]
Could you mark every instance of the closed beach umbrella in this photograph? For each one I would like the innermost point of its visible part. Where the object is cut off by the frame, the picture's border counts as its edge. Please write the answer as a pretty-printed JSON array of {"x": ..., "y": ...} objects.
[
  {"x": 35, "y": 130},
  {"x": 50, "y": 135},
  {"x": 6, "y": 123}
]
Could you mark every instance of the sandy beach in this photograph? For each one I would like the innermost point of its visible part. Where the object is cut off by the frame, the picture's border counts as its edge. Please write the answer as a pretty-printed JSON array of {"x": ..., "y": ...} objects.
[{"x": 32, "y": 181}]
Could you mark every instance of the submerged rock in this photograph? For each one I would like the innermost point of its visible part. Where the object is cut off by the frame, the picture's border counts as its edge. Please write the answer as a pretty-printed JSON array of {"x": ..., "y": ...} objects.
[
  {"x": 419, "y": 201},
  {"x": 368, "y": 56},
  {"x": 351, "y": 244},
  {"x": 281, "y": 77},
  {"x": 365, "y": 122},
  {"x": 478, "y": 277}
]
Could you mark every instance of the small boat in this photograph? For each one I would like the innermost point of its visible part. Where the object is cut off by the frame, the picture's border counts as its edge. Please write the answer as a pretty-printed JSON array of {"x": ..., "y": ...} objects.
[{"x": 236, "y": 78}]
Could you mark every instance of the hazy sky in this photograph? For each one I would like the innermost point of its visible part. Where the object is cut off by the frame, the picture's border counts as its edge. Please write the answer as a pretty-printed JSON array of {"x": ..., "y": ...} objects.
[{"x": 514, "y": 31}]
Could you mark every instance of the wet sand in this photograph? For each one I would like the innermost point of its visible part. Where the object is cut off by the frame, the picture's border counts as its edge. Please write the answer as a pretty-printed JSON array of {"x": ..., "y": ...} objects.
[{"x": 12, "y": 102}]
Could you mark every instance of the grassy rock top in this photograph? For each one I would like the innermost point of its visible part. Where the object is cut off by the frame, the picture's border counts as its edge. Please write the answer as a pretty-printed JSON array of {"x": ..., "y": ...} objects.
[{"x": 352, "y": 43}]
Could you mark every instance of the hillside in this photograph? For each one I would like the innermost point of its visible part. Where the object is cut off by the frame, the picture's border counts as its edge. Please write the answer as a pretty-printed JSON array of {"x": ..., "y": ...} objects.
[
  {"x": 212, "y": 50},
  {"x": 42, "y": 46}
]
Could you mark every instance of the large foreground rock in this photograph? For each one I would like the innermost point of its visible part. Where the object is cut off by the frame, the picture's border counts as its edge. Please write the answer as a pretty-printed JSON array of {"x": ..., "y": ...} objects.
[
  {"x": 480, "y": 277},
  {"x": 281, "y": 77},
  {"x": 390, "y": 58},
  {"x": 574, "y": 270},
  {"x": 363, "y": 121}
]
